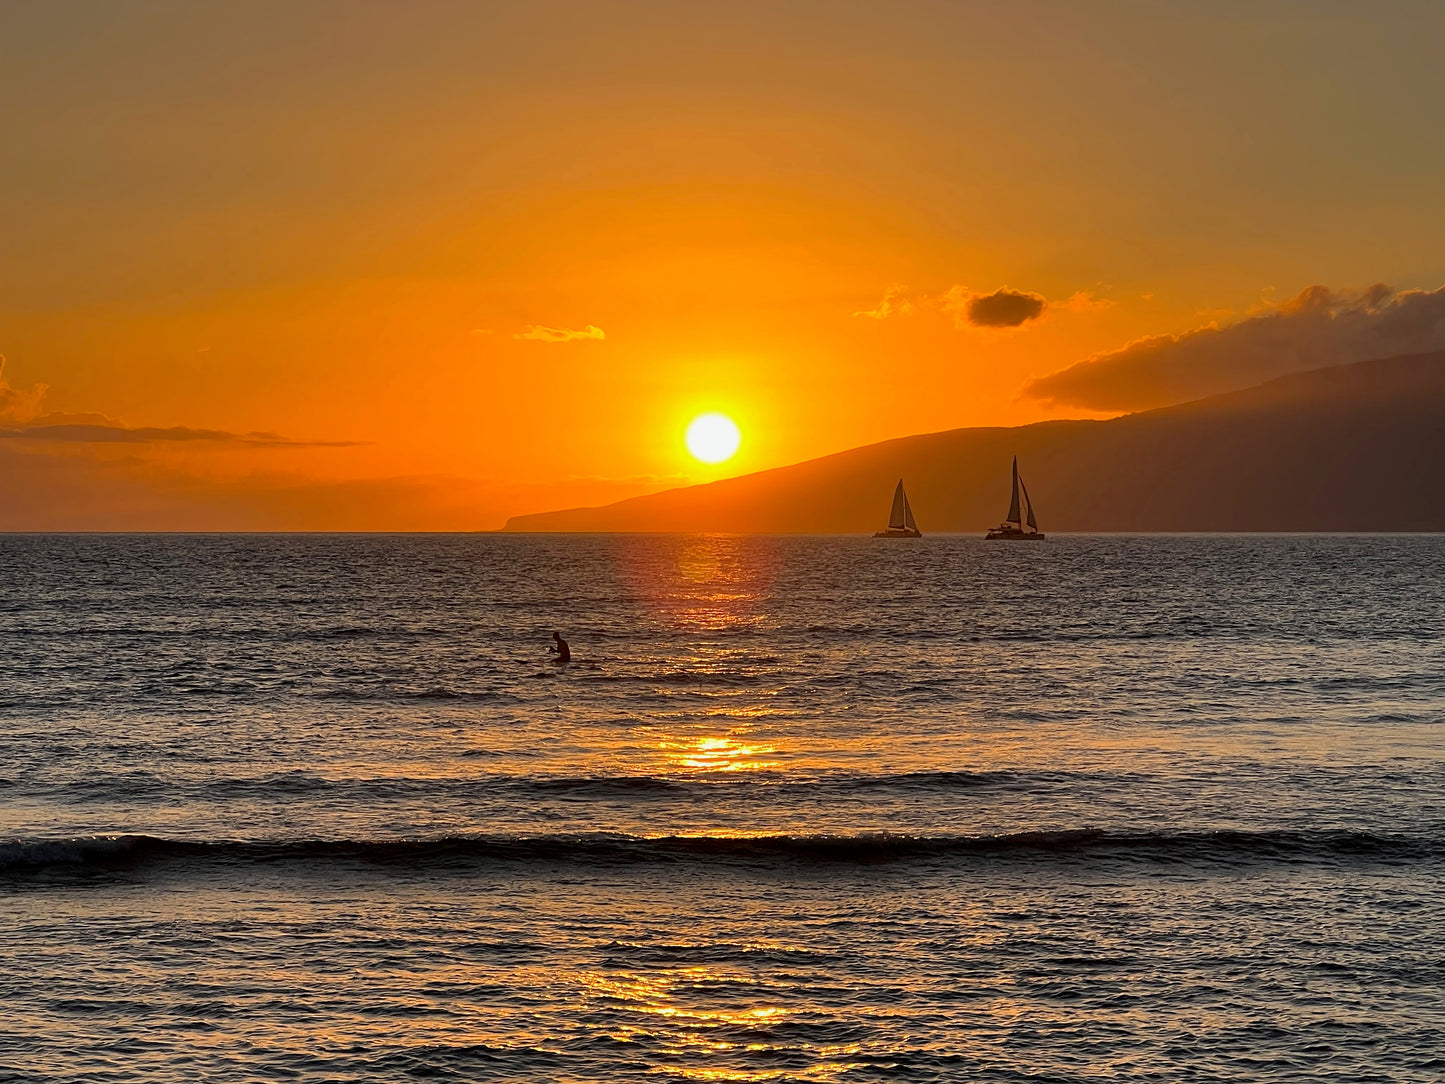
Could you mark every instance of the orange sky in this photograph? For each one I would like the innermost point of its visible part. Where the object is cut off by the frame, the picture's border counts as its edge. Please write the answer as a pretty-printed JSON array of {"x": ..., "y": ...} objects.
[{"x": 333, "y": 221}]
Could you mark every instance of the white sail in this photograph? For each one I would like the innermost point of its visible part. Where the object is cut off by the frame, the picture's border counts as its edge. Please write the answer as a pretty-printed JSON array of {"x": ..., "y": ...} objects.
[{"x": 908, "y": 513}]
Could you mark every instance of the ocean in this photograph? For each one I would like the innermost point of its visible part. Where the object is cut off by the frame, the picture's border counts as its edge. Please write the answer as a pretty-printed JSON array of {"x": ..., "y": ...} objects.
[{"x": 323, "y": 808}]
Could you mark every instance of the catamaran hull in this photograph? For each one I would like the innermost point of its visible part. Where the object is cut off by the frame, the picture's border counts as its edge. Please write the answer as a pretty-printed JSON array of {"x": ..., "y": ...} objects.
[
  {"x": 1014, "y": 536},
  {"x": 897, "y": 532}
]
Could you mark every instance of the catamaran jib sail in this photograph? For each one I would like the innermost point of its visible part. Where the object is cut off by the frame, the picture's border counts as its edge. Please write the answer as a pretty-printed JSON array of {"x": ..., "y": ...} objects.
[{"x": 901, "y": 518}]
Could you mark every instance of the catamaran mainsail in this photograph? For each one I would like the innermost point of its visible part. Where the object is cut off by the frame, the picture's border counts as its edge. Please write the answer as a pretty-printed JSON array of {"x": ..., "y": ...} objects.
[
  {"x": 900, "y": 519},
  {"x": 1021, "y": 524}
]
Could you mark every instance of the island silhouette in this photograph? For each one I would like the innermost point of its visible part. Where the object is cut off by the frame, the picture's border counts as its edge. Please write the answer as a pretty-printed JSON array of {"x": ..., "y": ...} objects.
[{"x": 1358, "y": 447}]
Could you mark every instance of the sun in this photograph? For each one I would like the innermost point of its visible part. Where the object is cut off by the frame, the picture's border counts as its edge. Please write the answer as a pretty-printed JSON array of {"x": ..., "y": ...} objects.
[{"x": 713, "y": 437}]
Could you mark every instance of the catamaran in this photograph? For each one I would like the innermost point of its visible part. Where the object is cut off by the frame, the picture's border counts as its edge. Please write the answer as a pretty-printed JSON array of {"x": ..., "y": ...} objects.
[
  {"x": 1018, "y": 527},
  {"x": 900, "y": 520}
]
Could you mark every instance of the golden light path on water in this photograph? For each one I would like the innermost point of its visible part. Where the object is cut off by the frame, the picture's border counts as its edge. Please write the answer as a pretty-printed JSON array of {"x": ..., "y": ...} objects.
[
  {"x": 722, "y": 754},
  {"x": 711, "y": 588},
  {"x": 653, "y": 1012}
]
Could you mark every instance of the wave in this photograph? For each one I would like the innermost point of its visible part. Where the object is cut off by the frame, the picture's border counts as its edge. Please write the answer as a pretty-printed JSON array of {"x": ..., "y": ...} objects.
[
  {"x": 642, "y": 785},
  {"x": 388, "y": 695},
  {"x": 144, "y": 785},
  {"x": 1227, "y": 847}
]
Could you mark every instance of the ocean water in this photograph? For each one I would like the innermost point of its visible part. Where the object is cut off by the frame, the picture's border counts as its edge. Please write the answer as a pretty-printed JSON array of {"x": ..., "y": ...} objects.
[{"x": 322, "y": 808}]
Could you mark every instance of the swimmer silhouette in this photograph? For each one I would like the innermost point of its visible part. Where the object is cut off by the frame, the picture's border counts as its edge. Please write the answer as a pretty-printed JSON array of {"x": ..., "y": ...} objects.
[{"x": 560, "y": 648}]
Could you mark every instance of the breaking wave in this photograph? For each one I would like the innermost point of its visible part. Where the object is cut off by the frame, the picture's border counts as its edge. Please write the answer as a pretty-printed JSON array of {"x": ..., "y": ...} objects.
[{"x": 1228, "y": 847}]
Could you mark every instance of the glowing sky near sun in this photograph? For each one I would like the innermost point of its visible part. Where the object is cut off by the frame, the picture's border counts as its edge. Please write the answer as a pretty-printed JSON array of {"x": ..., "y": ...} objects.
[{"x": 375, "y": 267}]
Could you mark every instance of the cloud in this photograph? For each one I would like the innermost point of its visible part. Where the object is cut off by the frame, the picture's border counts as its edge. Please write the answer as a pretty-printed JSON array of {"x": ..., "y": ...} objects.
[
  {"x": 1317, "y": 328},
  {"x": 22, "y": 418},
  {"x": 17, "y": 405},
  {"x": 1082, "y": 301},
  {"x": 50, "y": 487},
  {"x": 538, "y": 333},
  {"x": 1002, "y": 308},
  {"x": 893, "y": 304},
  {"x": 43, "y": 488},
  {"x": 107, "y": 432}
]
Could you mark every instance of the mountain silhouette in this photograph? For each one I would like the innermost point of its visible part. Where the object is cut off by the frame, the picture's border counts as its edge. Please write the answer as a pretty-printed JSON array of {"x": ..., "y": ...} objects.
[{"x": 1357, "y": 447}]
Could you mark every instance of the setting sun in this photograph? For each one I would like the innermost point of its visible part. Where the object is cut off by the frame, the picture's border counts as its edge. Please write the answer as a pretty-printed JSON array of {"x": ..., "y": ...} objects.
[{"x": 713, "y": 438}]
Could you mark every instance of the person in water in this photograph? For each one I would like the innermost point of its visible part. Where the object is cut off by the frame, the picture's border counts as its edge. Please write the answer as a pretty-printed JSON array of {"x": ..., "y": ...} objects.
[{"x": 560, "y": 648}]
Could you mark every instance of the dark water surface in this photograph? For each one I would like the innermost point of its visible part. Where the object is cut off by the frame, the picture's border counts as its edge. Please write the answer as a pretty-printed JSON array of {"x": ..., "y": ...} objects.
[{"x": 320, "y": 808}]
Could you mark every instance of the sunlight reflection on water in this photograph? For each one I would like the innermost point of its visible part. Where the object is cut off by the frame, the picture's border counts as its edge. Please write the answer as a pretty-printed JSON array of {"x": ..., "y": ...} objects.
[
  {"x": 701, "y": 583},
  {"x": 721, "y": 754}
]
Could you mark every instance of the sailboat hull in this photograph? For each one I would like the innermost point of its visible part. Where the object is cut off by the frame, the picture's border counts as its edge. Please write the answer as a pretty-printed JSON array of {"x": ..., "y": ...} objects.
[
  {"x": 897, "y": 532},
  {"x": 1014, "y": 536}
]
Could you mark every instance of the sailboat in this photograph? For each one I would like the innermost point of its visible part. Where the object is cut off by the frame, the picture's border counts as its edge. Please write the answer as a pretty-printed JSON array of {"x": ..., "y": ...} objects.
[
  {"x": 900, "y": 520},
  {"x": 1021, "y": 524}
]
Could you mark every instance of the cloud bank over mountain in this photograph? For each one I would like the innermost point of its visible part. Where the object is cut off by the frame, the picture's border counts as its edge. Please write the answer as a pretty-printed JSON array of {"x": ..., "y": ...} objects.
[{"x": 1317, "y": 328}]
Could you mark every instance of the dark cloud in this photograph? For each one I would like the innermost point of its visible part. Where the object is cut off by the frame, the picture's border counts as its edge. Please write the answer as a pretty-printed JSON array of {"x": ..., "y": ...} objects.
[
  {"x": 1004, "y": 308},
  {"x": 1317, "y": 328}
]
